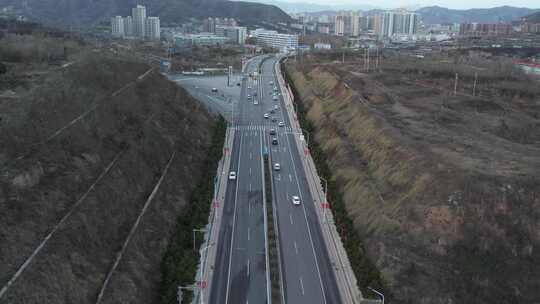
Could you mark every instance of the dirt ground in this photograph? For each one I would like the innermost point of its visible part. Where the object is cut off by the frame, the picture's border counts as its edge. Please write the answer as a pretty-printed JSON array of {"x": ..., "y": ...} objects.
[{"x": 443, "y": 186}]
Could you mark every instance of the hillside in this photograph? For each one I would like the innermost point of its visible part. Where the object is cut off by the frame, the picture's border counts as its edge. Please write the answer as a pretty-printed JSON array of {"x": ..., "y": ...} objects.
[
  {"x": 85, "y": 137},
  {"x": 437, "y": 14},
  {"x": 444, "y": 189},
  {"x": 81, "y": 13},
  {"x": 532, "y": 18}
]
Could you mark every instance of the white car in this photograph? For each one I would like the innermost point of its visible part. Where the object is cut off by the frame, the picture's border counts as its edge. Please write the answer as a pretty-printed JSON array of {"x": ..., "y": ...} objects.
[
  {"x": 277, "y": 166},
  {"x": 276, "y": 107},
  {"x": 266, "y": 115},
  {"x": 232, "y": 175},
  {"x": 281, "y": 124},
  {"x": 255, "y": 102},
  {"x": 296, "y": 200}
]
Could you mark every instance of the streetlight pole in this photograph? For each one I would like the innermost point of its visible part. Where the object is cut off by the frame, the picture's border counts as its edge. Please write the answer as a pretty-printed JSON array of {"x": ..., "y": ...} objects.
[
  {"x": 325, "y": 197},
  {"x": 378, "y": 293},
  {"x": 196, "y": 230}
]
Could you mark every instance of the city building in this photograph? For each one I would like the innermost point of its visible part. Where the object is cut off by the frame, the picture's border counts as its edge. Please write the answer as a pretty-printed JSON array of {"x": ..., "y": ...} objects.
[
  {"x": 152, "y": 28},
  {"x": 283, "y": 42},
  {"x": 322, "y": 46},
  {"x": 528, "y": 27},
  {"x": 339, "y": 25},
  {"x": 210, "y": 24},
  {"x": 237, "y": 34},
  {"x": 485, "y": 29},
  {"x": 400, "y": 22},
  {"x": 117, "y": 24},
  {"x": 139, "y": 21},
  {"x": 137, "y": 25},
  {"x": 128, "y": 26},
  {"x": 202, "y": 39}
]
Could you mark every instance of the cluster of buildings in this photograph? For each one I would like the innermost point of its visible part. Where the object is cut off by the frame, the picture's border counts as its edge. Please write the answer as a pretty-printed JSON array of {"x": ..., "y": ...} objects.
[
  {"x": 273, "y": 39},
  {"x": 352, "y": 24},
  {"x": 212, "y": 32},
  {"x": 138, "y": 25},
  {"x": 485, "y": 29}
]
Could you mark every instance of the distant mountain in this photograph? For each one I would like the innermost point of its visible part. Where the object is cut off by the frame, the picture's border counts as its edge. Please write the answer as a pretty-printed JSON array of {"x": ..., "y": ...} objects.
[
  {"x": 306, "y": 7},
  {"x": 533, "y": 18},
  {"x": 89, "y": 12},
  {"x": 436, "y": 14}
]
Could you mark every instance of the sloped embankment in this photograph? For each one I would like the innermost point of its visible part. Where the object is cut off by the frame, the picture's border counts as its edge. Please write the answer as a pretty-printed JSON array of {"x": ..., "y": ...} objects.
[
  {"x": 440, "y": 231},
  {"x": 56, "y": 142}
]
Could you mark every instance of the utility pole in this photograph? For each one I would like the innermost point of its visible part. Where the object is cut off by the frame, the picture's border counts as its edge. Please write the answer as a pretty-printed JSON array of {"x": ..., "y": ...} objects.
[
  {"x": 377, "y": 59},
  {"x": 474, "y": 85},
  {"x": 455, "y": 84},
  {"x": 343, "y": 57}
]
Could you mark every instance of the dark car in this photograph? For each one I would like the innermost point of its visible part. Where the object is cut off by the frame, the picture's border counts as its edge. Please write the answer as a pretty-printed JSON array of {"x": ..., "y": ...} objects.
[
  {"x": 274, "y": 141},
  {"x": 272, "y": 131}
]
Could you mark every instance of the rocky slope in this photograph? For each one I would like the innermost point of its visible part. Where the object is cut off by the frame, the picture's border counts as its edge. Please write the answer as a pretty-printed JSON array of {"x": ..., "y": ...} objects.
[
  {"x": 444, "y": 190},
  {"x": 49, "y": 159}
]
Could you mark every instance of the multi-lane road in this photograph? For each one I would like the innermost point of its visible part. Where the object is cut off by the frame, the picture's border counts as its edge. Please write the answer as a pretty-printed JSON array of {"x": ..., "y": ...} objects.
[{"x": 240, "y": 274}]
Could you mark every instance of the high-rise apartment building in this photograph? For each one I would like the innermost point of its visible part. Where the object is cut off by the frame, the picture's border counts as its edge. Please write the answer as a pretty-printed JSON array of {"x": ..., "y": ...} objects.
[
  {"x": 128, "y": 26},
  {"x": 137, "y": 25},
  {"x": 347, "y": 24},
  {"x": 152, "y": 29},
  {"x": 399, "y": 22},
  {"x": 117, "y": 24},
  {"x": 139, "y": 21},
  {"x": 339, "y": 25}
]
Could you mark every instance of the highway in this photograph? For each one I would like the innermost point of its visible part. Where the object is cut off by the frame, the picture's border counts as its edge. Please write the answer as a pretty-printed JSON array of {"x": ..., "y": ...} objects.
[{"x": 240, "y": 273}]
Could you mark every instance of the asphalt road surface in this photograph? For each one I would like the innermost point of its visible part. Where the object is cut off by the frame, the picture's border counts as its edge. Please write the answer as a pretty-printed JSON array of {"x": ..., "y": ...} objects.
[{"x": 240, "y": 275}]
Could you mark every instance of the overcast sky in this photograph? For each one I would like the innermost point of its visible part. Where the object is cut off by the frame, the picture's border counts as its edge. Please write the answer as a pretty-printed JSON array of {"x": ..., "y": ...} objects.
[{"x": 456, "y": 4}]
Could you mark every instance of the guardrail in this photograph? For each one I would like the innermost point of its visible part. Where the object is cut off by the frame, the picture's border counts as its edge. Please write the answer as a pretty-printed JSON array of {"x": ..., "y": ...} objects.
[
  {"x": 209, "y": 247},
  {"x": 347, "y": 282}
]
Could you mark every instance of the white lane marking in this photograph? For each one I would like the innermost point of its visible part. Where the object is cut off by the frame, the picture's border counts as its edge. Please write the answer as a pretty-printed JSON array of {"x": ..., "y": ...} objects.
[
  {"x": 290, "y": 217},
  {"x": 250, "y": 155},
  {"x": 249, "y": 171},
  {"x": 307, "y": 223},
  {"x": 249, "y": 187},
  {"x": 249, "y": 208},
  {"x": 248, "y": 267},
  {"x": 278, "y": 177},
  {"x": 234, "y": 221},
  {"x": 290, "y": 178},
  {"x": 302, "y": 285},
  {"x": 248, "y": 233},
  {"x": 295, "y": 247},
  {"x": 284, "y": 149}
]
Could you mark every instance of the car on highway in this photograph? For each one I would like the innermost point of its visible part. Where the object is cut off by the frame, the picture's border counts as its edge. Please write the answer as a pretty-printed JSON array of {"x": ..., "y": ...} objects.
[
  {"x": 281, "y": 124},
  {"x": 249, "y": 88},
  {"x": 214, "y": 90},
  {"x": 232, "y": 175},
  {"x": 274, "y": 119},
  {"x": 271, "y": 83},
  {"x": 277, "y": 166},
  {"x": 272, "y": 111},
  {"x": 266, "y": 115},
  {"x": 255, "y": 102},
  {"x": 296, "y": 200},
  {"x": 238, "y": 84},
  {"x": 272, "y": 132},
  {"x": 275, "y": 98},
  {"x": 274, "y": 141}
]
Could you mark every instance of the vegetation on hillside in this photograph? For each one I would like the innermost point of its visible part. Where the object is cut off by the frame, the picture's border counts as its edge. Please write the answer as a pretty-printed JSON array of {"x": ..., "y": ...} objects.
[
  {"x": 441, "y": 188},
  {"x": 179, "y": 263}
]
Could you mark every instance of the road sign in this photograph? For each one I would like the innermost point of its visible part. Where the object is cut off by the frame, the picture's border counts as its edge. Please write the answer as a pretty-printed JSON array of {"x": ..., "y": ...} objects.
[
  {"x": 201, "y": 284},
  {"x": 325, "y": 205}
]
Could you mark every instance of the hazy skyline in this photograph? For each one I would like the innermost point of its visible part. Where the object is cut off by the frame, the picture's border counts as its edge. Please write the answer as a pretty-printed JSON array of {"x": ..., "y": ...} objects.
[{"x": 455, "y": 4}]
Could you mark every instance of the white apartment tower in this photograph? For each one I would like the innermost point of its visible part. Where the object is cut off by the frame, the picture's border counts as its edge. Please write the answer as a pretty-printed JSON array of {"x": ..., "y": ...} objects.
[
  {"x": 139, "y": 21},
  {"x": 128, "y": 26},
  {"x": 398, "y": 22},
  {"x": 118, "y": 29},
  {"x": 152, "y": 28}
]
